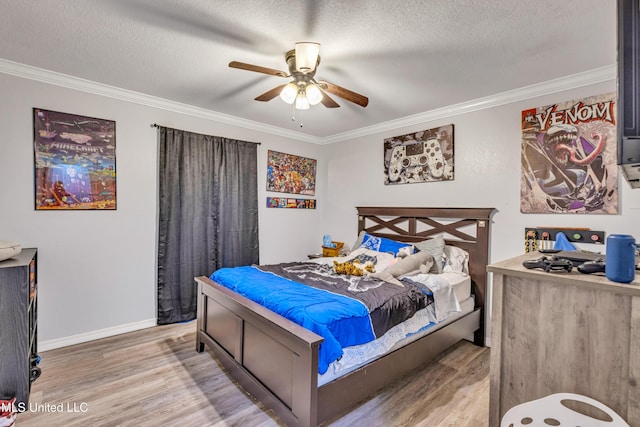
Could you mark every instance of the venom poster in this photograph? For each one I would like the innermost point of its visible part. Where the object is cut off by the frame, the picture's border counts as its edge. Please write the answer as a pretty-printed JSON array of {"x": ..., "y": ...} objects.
[{"x": 569, "y": 157}]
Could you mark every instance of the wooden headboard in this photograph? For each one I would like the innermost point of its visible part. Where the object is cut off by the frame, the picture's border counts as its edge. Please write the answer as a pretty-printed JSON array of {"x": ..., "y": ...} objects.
[{"x": 467, "y": 228}]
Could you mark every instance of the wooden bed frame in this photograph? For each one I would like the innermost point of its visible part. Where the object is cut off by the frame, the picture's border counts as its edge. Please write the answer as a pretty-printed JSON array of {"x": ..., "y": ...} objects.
[{"x": 276, "y": 360}]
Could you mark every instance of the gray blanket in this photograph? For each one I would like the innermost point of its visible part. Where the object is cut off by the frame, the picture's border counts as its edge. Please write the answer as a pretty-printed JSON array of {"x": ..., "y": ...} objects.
[{"x": 388, "y": 304}]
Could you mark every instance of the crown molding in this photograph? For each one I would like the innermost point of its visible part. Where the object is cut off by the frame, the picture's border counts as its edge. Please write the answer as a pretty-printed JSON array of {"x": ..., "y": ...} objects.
[
  {"x": 76, "y": 83},
  {"x": 597, "y": 75}
]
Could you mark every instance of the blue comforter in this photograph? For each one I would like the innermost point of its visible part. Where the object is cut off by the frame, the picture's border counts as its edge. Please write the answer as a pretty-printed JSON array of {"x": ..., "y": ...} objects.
[{"x": 342, "y": 321}]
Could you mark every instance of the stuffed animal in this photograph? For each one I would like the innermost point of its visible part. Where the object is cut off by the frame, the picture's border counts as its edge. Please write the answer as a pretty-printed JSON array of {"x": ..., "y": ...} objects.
[
  {"x": 419, "y": 262},
  {"x": 355, "y": 268}
]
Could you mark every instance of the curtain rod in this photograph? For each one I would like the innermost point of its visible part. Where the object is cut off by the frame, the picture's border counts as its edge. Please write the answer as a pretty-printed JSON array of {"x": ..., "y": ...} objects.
[{"x": 155, "y": 125}]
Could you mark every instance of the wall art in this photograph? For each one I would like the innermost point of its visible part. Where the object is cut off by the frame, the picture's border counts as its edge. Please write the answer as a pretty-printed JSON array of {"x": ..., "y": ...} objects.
[
  {"x": 287, "y": 173},
  {"x": 290, "y": 203},
  {"x": 75, "y": 161},
  {"x": 423, "y": 156},
  {"x": 569, "y": 157}
]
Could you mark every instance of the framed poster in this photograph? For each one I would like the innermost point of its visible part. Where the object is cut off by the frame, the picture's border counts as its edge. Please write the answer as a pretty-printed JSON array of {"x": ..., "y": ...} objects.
[
  {"x": 424, "y": 156},
  {"x": 290, "y": 203},
  {"x": 75, "y": 161},
  {"x": 287, "y": 173},
  {"x": 569, "y": 157}
]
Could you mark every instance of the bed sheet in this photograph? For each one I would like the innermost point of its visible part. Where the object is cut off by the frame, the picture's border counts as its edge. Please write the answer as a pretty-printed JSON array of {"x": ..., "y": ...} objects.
[
  {"x": 461, "y": 284},
  {"x": 421, "y": 324}
]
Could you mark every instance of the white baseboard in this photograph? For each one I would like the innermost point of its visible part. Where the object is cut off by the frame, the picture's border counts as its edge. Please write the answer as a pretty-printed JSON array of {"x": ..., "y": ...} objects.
[{"x": 95, "y": 335}]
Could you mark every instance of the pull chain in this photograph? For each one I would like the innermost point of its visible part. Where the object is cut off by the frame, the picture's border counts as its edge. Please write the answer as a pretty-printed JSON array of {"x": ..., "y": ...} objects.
[{"x": 293, "y": 115}]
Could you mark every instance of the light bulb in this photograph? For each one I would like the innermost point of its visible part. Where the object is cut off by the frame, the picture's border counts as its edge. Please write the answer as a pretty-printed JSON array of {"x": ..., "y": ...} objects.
[
  {"x": 289, "y": 92},
  {"x": 314, "y": 95},
  {"x": 302, "y": 103}
]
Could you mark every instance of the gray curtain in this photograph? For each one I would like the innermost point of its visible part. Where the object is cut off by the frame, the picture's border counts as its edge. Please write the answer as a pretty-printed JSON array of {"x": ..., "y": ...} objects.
[{"x": 208, "y": 214}]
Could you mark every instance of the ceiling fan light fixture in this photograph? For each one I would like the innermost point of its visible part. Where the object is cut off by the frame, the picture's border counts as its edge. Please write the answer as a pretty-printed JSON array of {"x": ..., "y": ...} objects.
[
  {"x": 302, "y": 103},
  {"x": 307, "y": 56},
  {"x": 302, "y": 90},
  {"x": 289, "y": 93},
  {"x": 314, "y": 95}
]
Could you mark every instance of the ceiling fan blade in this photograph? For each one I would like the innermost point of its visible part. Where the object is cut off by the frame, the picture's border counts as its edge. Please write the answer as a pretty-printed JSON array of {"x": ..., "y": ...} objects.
[
  {"x": 270, "y": 94},
  {"x": 328, "y": 102},
  {"x": 257, "y": 69},
  {"x": 343, "y": 93}
]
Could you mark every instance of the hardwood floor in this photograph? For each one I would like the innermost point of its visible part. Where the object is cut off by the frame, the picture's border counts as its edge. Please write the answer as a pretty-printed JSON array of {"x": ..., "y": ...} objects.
[{"x": 156, "y": 378}]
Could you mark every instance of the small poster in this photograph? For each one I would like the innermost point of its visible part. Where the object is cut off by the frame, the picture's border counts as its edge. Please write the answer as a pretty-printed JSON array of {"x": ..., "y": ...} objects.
[
  {"x": 290, "y": 203},
  {"x": 424, "y": 156},
  {"x": 75, "y": 161},
  {"x": 569, "y": 157},
  {"x": 287, "y": 173}
]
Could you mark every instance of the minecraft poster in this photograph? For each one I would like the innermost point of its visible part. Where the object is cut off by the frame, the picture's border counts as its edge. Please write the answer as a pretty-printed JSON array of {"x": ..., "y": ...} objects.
[
  {"x": 569, "y": 157},
  {"x": 75, "y": 162}
]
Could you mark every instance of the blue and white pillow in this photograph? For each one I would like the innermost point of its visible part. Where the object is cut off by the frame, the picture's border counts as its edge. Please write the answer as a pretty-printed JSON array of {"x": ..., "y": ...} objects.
[{"x": 382, "y": 244}]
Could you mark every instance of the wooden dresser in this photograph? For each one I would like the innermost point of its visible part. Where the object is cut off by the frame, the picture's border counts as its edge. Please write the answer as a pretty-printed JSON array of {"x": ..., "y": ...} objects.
[
  {"x": 18, "y": 325},
  {"x": 563, "y": 332}
]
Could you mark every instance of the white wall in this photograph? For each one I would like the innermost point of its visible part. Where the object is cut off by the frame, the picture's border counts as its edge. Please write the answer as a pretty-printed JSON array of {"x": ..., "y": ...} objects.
[
  {"x": 97, "y": 268},
  {"x": 487, "y": 174}
]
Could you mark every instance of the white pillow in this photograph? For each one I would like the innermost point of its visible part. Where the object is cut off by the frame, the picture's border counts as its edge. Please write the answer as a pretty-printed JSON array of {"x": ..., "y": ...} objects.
[{"x": 456, "y": 260}]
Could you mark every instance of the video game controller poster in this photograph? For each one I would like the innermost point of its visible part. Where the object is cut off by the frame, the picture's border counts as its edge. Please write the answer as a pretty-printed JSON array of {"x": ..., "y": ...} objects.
[
  {"x": 569, "y": 157},
  {"x": 424, "y": 156}
]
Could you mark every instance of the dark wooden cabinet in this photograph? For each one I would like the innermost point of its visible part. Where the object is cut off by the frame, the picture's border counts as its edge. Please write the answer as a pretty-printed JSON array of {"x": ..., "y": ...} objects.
[
  {"x": 629, "y": 74},
  {"x": 19, "y": 325},
  {"x": 629, "y": 90}
]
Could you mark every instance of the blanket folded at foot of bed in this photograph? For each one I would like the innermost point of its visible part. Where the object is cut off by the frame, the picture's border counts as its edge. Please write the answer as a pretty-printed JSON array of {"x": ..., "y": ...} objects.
[{"x": 344, "y": 310}]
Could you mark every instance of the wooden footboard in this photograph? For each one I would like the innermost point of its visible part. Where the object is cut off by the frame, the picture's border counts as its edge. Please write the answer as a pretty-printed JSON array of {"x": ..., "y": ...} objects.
[
  {"x": 276, "y": 360},
  {"x": 271, "y": 357}
]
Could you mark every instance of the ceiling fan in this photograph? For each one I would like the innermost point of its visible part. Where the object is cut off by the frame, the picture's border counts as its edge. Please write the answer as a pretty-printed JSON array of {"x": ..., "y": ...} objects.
[{"x": 304, "y": 90}]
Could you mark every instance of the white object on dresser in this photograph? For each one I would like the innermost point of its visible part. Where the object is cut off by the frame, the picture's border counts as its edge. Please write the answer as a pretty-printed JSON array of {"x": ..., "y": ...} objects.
[{"x": 9, "y": 249}]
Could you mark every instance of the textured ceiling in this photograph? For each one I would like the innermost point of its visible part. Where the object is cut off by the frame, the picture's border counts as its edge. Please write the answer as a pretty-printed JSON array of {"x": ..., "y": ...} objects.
[{"x": 408, "y": 57}]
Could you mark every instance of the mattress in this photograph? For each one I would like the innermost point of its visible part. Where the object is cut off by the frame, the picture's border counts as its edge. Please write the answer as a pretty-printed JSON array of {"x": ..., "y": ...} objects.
[{"x": 422, "y": 323}]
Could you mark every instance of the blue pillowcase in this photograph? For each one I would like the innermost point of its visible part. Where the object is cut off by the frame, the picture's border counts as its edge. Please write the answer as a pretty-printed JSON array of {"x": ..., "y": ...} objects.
[{"x": 382, "y": 244}]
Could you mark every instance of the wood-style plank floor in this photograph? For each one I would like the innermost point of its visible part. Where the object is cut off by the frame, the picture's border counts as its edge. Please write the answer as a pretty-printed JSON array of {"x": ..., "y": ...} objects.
[{"x": 156, "y": 378}]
